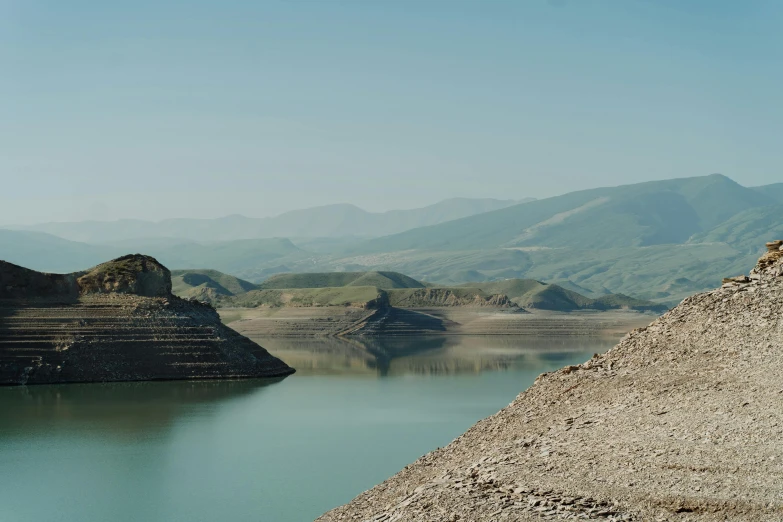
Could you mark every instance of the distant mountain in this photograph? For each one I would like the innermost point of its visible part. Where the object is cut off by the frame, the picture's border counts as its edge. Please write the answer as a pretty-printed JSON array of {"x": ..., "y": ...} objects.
[
  {"x": 774, "y": 191},
  {"x": 46, "y": 252},
  {"x": 644, "y": 214},
  {"x": 661, "y": 241},
  {"x": 746, "y": 230},
  {"x": 326, "y": 221}
]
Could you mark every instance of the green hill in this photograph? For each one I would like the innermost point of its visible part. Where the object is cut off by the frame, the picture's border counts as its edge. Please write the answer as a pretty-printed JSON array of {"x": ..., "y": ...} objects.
[
  {"x": 208, "y": 285},
  {"x": 361, "y": 296},
  {"x": 644, "y": 214},
  {"x": 529, "y": 293},
  {"x": 383, "y": 280}
]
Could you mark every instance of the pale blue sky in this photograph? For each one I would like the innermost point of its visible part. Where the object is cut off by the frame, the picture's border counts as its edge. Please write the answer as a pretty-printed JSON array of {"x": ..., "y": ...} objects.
[{"x": 164, "y": 109}]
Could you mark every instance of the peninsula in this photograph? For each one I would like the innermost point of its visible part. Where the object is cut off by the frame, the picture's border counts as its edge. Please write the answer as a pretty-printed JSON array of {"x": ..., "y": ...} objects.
[
  {"x": 118, "y": 321},
  {"x": 680, "y": 421}
]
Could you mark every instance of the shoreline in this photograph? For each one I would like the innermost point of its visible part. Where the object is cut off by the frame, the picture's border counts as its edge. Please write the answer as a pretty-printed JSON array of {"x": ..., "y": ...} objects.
[{"x": 348, "y": 322}]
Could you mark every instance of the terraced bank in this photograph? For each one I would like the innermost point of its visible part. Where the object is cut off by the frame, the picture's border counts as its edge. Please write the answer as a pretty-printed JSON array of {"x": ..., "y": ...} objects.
[{"x": 76, "y": 328}]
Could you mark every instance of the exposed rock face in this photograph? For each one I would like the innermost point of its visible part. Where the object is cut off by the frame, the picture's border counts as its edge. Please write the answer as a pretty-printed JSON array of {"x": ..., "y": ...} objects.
[
  {"x": 683, "y": 420},
  {"x": 116, "y": 322}
]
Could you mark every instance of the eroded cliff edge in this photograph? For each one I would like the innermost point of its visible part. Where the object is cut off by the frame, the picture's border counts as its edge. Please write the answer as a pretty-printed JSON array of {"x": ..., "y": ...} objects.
[
  {"x": 116, "y": 322},
  {"x": 683, "y": 420}
]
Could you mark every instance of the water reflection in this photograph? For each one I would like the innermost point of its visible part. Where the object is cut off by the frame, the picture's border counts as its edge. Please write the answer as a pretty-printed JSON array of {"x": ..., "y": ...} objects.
[
  {"x": 118, "y": 409},
  {"x": 425, "y": 355},
  {"x": 246, "y": 450}
]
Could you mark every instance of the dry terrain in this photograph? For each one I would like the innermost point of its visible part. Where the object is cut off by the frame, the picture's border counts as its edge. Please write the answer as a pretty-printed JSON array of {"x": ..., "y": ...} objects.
[{"x": 683, "y": 420}]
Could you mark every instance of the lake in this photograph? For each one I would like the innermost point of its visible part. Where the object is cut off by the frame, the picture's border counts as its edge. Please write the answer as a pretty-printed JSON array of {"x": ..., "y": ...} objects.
[{"x": 248, "y": 450}]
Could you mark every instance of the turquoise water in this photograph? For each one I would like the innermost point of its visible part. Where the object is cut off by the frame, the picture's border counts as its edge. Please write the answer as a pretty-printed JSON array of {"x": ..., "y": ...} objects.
[{"x": 251, "y": 450}]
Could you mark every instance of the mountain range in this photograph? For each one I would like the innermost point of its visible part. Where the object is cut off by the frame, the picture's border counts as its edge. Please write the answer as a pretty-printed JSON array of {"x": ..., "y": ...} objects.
[
  {"x": 325, "y": 221},
  {"x": 661, "y": 240}
]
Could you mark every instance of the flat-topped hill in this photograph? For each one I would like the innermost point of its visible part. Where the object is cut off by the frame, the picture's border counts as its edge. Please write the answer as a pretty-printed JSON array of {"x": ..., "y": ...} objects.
[
  {"x": 382, "y": 280},
  {"x": 680, "y": 421},
  {"x": 118, "y": 321}
]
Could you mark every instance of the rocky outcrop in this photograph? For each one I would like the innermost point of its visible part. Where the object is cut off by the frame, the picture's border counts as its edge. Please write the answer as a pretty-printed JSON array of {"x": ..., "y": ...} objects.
[
  {"x": 116, "y": 322},
  {"x": 680, "y": 421}
]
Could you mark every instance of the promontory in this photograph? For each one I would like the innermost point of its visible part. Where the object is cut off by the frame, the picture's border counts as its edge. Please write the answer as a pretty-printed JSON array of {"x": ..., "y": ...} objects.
[
  {"x": 683, "y": 420},
  {"x": 118, "y": 321}
]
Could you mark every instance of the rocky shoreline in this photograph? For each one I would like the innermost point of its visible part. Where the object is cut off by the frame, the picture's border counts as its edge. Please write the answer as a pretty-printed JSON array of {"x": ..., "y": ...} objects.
[
  {"x": 116, "y": 322},
  {"x": 683, "y": 420}
]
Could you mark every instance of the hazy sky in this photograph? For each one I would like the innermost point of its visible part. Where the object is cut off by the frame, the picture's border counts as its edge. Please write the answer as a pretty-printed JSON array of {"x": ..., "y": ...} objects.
[{"x": 160, "y": 109}]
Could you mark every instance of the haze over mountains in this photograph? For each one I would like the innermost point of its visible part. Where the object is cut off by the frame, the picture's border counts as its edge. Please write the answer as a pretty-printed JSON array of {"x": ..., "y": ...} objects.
[
  {"x": 326, "y": 221},
  {"x": 659, "y": 240}
]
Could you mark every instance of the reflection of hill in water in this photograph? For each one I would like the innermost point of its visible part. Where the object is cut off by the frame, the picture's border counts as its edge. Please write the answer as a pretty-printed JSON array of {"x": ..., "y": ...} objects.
[
  {"x": 121, "y": 409},
  {"x": 426, "y": 355}
]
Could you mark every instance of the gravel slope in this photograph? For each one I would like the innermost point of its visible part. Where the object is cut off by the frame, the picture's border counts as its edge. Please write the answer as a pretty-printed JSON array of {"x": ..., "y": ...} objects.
[{"x": 683, "y": 420}]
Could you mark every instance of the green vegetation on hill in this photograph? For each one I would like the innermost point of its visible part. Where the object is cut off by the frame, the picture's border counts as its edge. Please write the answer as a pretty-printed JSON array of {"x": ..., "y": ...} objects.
[
  {"x": 361, "y": 296},
  {"x": 661, "y": 240},
  {"x": 529, "y": 293},
  {"x": 644, "y": 214},
  {"x": 383, "y": 280},
  {"x": 208, "y": 285}
]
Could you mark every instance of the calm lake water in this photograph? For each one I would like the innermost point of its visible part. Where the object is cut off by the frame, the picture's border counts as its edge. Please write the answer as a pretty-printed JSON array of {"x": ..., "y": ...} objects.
[{"x": 354, "y": 414}]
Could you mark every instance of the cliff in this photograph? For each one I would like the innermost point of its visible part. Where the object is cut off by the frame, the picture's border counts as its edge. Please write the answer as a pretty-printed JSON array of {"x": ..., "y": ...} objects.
[
  {"x": 116, "y": 322},
  {"x": 680, "y": 421}
]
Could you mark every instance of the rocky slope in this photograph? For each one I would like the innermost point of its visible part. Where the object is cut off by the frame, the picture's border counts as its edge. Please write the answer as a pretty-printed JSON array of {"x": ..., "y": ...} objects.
[
  {"x": 115, "y": 322},
  {"x": 683, "y": 420}
]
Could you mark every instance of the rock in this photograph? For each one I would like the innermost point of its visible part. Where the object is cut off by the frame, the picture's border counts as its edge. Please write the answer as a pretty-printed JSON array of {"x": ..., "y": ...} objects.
[
  {"x": 772, "y": 246},
  {"x": 133, "y": 274}
]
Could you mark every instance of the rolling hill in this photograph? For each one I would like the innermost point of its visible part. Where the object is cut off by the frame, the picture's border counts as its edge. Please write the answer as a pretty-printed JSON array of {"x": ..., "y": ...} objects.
[
  {"x": 208, "y": 285},
  {"x": 529, "y": 293},
  {"x": 660, "y": 240}
]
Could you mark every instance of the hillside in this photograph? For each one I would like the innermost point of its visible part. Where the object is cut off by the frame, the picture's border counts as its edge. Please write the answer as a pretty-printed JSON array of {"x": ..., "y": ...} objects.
[
  {"x": 602, "y": 241},
  {"x": 208, "y": 285},
  {"x": 325, "y": 221},
  {"x": 356, "y": 296},
  {"x": 644, "y": 214},
  {"x": 774, "y": 191},
  {"x": 529, "y": 293},
  {"x": 383, "y": 280},
  {"x": 680, "y": 421}
]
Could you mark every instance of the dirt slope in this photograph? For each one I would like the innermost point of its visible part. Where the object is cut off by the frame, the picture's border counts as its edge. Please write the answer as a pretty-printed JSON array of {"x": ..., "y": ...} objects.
[{"x": 683, "y": 420}]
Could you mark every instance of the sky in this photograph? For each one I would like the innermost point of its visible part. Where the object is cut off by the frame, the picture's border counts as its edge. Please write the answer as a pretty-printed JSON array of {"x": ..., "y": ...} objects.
[{"x": 154, "y": 110}]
